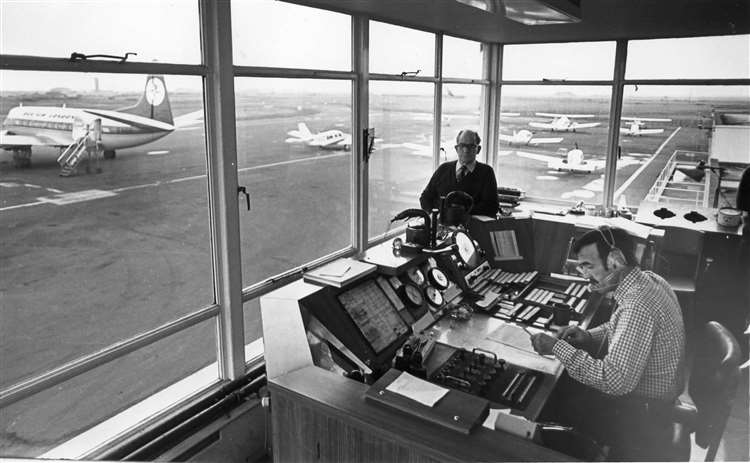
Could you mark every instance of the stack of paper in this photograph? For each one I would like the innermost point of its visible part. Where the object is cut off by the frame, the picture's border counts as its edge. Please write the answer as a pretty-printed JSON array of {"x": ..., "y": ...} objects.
[{"x": 339, "y": 272}]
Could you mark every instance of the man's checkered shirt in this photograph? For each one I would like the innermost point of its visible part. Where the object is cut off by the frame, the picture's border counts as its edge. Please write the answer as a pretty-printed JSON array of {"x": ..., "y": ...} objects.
[{"x": 646, "y": 341}]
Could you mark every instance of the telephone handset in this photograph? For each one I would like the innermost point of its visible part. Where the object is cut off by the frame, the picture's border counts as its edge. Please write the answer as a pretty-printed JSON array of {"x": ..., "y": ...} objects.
[
  {"x": 455, "y": 208},
  {"x": 418, "y": 234}
]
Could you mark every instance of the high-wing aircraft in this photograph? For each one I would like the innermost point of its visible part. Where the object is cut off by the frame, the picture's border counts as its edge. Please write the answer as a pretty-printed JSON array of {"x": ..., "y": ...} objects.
[
  {"x": 526, "y": 137},
  {"x": 144, "y": 122},
  {"x": 569, "y": 161},
  {"x": 563, "y": 122},
  {"x": 637, "y": 126},
  {"x": 330, "y": 139}
]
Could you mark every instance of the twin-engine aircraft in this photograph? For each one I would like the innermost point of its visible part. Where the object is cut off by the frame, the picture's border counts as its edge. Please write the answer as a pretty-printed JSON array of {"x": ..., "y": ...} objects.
[
  {"x": 563, "y": 122},
  {"x": 330, "y": 139},
  {"x": 637, "y": 126},
  {"x": 526, "y": 137},
  {"x": 144, "y": 122}
]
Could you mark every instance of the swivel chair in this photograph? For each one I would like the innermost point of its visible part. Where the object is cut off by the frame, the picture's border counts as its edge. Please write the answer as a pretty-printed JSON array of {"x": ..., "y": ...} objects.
[{"x": 712, "y": 386}]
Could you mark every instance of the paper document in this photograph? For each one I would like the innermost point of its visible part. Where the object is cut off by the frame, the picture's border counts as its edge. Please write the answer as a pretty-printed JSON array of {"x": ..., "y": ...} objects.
[
  {"x": 489, "y": 423},
  {"x": 513, "y": 336},
  {"x": 417, "y": 389},
  {"x": 505, "y": 245}
]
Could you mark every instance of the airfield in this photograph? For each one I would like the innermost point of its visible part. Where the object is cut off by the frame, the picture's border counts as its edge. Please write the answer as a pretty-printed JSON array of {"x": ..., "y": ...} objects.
[{"x": 99, "y": 257}]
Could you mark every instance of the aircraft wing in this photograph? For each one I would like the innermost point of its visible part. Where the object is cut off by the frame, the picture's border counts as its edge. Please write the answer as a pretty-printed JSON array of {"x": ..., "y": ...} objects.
[
  {"x": 541, "y": 141},
  {"x": 626, "y": 131},
  {"x": 586, "y": 125},
  {"x": 537, "y": 157},
  {"x": 650, "y": 131},
  {"x": 569, "y": 116},
  {"x": 582, "y": 167},
  {"x": 11, "y": 140},
  {"x": 188, "y": 120},
  {"x": 505, "y": 138},
  {"x": 541, "y": 125}
]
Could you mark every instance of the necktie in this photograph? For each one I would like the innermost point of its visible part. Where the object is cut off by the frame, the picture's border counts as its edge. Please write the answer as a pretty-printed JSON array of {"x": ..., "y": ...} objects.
[{"x": 461, "y": 173}]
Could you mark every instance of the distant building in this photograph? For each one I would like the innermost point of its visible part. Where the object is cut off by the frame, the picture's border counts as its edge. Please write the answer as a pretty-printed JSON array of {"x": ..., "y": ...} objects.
[{"x": 729, "y": 140}]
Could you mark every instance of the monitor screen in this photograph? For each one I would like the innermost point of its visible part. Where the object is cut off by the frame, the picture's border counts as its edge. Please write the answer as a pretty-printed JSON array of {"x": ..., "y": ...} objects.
[{"x": 373, "y": 314}]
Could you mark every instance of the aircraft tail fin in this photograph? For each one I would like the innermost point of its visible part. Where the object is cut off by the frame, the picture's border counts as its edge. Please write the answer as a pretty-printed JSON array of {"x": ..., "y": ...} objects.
[
  {"x": 304, "y": 131},
  {"x": 154, "y": 101}
]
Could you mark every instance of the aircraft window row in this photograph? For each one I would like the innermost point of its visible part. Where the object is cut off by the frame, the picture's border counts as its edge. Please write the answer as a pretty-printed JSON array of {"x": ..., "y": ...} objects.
[{"x": 38, "y": 124}]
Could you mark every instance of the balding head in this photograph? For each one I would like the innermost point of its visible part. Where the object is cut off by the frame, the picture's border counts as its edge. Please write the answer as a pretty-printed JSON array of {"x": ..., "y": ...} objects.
[{"x": 467, "y": 146}]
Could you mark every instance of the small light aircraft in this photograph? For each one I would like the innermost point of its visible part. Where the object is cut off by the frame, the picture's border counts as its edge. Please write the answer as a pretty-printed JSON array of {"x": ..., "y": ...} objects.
[
  {"x": 563, "y": 122},
  {"x": 637, "y": 126},
  {"x": 144, "y": 122},
  {"x": 330, "y": 139},
  {"x": 526, "y": 137},
  {"x": 568, "y": 161}
]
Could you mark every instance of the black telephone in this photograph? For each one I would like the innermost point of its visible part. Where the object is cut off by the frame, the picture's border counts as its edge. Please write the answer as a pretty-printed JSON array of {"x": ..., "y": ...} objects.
[
  {"x": 417, "y": 234},
  {"x": 455, "y": 208}
]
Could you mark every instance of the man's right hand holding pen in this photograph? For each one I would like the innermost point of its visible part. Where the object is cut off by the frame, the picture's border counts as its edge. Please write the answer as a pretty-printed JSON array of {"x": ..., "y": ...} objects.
[{"x": 576, "y": 337}]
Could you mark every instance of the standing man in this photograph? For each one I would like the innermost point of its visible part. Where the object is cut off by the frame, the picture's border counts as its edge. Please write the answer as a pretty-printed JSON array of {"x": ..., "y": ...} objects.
[
  {"x": 632, "y": 365},
  {"x": 465, "y": 174}
]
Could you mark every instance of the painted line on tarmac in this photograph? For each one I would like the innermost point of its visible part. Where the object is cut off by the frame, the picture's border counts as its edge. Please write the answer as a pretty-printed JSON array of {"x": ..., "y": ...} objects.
[
  {"x": 635, "y": 175},
  {"x": 87, "y": 197}
]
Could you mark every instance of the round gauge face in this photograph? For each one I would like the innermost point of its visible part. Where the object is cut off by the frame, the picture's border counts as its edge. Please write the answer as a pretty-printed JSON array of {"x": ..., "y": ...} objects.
[
  {"x": 413, "y": 295},
  {"x": 466, "y": 249},
  {"x": 415, "y": 276},
  {"x": 434, "y": 297},
  {"x": 438, "y": 278}
]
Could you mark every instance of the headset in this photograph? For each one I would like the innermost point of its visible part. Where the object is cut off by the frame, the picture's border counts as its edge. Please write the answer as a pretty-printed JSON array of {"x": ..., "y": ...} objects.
[
  {"x": 615, "y": 255},
  {"x": 457, "y": 206}
]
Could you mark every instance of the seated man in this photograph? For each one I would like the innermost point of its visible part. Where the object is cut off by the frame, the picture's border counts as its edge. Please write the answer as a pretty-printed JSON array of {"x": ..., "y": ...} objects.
[
  {"x": 467, "y": 175},
  {"x": 632, "y": 365}
]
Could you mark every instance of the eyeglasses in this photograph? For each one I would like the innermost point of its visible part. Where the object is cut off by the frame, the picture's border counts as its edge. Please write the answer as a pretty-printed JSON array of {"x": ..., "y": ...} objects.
[{"x": 466, "y": 146}]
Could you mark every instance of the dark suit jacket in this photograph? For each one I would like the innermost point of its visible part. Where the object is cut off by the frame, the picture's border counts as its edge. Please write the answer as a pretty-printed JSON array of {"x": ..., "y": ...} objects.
[{"x": 480, "y": 184}]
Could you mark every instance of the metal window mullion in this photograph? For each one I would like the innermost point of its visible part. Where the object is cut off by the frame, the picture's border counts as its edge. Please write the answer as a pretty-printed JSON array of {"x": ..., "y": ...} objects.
[
  {"x": 360, "y": 121},
  {"x": 686, "y": 82},
  {"x": 221, "y": 144},
  {"x": 41, "y": 63},
  {"x": 112, "y": 352},
  {"x": 458, "y": 80},
  {"x": 613, "y": 136},
  {"x": 437, "y": 102},
  {"x": 492, "y": 70},
  {"x": 397, "y": 77},
  {"x": 291, "y": 73},
  {"x": 557, "y": 82}
]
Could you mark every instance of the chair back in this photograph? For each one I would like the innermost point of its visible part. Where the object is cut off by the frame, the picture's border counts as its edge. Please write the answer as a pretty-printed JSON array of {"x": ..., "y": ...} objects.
[{"x": 713, "y": 384}]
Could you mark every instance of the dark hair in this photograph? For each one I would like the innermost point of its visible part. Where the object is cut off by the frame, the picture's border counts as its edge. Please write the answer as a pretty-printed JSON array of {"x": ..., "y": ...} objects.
[
  {"x": 622, "y": 241},
  {"x": 477, "y": 140}
]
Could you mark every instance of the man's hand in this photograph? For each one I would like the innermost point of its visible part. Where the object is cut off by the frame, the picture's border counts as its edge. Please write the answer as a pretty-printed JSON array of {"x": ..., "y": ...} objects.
[
  {"x": 575, "y": 336},
  {"x": 543, "y": 343}
]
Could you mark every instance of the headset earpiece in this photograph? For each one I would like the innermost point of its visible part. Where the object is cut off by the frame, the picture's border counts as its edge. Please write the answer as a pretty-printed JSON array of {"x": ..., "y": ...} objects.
[{"x": 615, "y": 257}]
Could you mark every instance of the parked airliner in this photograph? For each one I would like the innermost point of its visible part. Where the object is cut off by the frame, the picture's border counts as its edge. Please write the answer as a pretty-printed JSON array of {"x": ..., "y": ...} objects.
[{"x": 144, "y": 122}]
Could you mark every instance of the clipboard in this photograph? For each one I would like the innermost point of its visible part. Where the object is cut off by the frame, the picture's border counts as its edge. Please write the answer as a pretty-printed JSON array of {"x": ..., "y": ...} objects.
[{"x": 457, "y": 410}]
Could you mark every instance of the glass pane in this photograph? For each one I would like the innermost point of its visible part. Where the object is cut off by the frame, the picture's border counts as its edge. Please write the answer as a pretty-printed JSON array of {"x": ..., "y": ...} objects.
[
  {"x": 279, "y": 34},
  {"x": 395, "y": 49},
  {"x": 461, "y": 111},
  {"x": 294, "y": 156},
  {"x": 670, "y": 129},
  {"x": 163, "y": 30},
  {"x": 253, "y": 326},
  {"x": 564, "y": 61},
  {"x": 402, "y": 115},
  {"x": 553, "y": 141},
  {"x": 49, "y": 418},
  {"x": 722, "y": 57},
  {"x": 120, "y": 246},
  {"x": 462, "y": 58}
]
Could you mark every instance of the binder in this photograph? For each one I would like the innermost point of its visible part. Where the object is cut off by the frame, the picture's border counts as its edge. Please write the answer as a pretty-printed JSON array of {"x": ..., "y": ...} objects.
[{"x": 457, "y": 410}]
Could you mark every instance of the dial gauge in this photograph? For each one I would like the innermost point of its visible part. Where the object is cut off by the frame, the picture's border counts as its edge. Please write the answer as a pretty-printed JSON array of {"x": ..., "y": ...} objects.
[
  {"x": 415, "y": 276},
  {"x": 438, "y": 278},
  {"x": 434, "y": 297},
  {"x": 466, "y": 249},
  {"x": 413, "y": 295}
]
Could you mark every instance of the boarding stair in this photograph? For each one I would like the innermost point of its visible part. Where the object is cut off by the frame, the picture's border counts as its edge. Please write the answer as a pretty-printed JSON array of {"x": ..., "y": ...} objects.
[{"x": 71, "y": 157}]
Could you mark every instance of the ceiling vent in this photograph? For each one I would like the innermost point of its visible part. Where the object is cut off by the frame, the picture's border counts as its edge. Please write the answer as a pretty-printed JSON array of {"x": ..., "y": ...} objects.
[{"x": 532, "y": 12}]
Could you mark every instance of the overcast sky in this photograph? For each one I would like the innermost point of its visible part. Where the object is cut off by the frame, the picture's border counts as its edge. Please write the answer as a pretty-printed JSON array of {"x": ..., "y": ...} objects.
[{"x": 268, "y": 33}]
